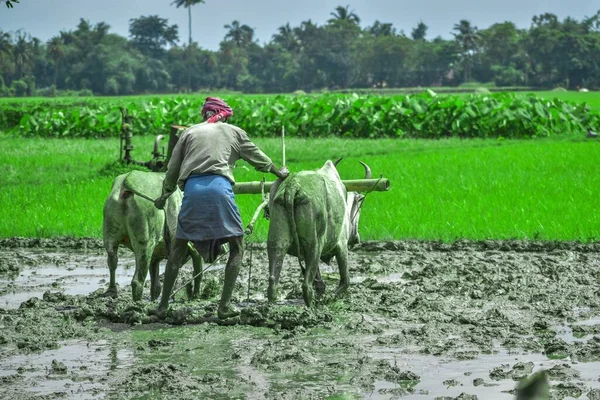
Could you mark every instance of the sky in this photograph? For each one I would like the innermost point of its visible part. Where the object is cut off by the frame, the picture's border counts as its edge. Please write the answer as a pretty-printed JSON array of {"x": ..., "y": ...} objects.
[{"x": 45, "y": 18}]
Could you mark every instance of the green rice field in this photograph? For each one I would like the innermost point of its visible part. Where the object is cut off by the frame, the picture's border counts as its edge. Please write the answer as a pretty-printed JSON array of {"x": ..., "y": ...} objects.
[{"x": 440, "y": 189}]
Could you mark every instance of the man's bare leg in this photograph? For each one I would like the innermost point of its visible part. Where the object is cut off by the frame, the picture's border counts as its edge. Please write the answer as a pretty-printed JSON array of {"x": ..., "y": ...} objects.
[
  {"x": 236, "y": 255},
  {"x": 176, "y": 260}
]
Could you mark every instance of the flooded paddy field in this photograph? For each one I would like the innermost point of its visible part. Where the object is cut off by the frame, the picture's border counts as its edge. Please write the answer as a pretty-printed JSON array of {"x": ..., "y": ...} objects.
[{"x": 421, "y": 320}]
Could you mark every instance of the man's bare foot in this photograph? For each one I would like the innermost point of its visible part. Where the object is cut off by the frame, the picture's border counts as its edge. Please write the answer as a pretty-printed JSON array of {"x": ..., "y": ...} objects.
[
  {"x": 110, "y": 292},
  {"x": 227, "y": 312}
]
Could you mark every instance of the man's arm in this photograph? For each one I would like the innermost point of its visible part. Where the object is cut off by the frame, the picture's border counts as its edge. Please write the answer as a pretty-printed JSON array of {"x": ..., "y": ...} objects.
[{"x": 254, "y": 156}]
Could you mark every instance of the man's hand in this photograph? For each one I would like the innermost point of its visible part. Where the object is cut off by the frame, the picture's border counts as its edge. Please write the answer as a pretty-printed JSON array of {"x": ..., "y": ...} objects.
[
  {"x": 284, "y": 172},
  {"x": 160, "y": 202},
  {"x": 280, "y": 173}
]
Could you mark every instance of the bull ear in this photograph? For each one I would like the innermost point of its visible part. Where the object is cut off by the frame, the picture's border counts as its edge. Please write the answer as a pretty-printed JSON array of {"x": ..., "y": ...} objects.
[
  {"x": 338, "y": 161},
  {"x": 368, "y": 174}
]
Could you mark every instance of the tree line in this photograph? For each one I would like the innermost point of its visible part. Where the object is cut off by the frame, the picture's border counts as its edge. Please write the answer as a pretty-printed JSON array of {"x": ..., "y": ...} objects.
[{"x": 340, "y": 54}]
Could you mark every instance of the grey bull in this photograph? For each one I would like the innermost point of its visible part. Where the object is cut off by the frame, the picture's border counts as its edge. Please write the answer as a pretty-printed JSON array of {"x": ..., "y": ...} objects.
[
  {"x": 132, "y": 220},
  {"x": 314, "y": 218}
]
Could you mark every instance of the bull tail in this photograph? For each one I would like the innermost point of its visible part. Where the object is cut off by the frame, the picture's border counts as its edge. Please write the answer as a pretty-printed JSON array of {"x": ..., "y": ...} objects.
[
  {"x": 290, "y": 197},
  {"x": 125, "y": 196}
]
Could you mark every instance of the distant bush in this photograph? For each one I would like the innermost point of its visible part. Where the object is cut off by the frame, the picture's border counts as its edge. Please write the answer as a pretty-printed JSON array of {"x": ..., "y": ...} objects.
[
  {"x": 508, "y": 76},
  {"x": 19, "y": 87},
  {"x": 49, "y": 91},
  {"x": 85, "y": 93}
]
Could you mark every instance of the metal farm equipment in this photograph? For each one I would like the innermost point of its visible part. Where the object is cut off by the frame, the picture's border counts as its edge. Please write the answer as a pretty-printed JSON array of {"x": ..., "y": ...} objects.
[{"x": 159, "y": 160}]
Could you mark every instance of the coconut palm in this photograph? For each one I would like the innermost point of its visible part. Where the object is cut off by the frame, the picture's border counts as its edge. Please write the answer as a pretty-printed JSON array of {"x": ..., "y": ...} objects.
[
  {"x": 241, "y": 35},
  {"x": 56, "y": 49},
  {"x": 286, "y": 37},
  {"x": 468, "y": 40},
  {"x": 21, "y": 54},
  {"x": 9, "y": 3},
  {"x": 188, "y": 4},
  {"x": 344, "y": 14},
  {"x": 5, "y": 45}
]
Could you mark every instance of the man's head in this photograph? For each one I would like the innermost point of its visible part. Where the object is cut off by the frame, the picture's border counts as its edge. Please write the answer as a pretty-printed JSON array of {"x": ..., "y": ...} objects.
[{"x": 215, "y": 109}]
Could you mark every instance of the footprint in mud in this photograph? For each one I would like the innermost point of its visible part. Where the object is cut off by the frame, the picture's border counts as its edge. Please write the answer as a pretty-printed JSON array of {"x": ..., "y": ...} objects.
[{"x": 58, "y": 368}]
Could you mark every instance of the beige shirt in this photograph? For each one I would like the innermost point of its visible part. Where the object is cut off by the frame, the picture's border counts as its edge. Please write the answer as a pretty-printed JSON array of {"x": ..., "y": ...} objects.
[{"x": 211, "y": 148}]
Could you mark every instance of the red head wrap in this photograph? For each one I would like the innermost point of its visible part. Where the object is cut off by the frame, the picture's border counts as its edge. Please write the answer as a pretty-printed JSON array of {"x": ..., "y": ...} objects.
[{"x": 220, "y": 109}]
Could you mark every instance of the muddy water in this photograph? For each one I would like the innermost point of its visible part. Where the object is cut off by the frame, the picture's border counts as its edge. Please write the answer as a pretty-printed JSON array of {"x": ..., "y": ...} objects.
[
  {"x": 421, "y": 320},
  {"x": 77, "y": 370},
  {"x": 71, "y": 273}
]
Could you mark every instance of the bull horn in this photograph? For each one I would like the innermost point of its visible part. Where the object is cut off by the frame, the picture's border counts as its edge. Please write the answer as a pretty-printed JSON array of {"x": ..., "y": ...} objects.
[
  {"x": 368, "y": 174},
  {"x": 338, "y": 161}
]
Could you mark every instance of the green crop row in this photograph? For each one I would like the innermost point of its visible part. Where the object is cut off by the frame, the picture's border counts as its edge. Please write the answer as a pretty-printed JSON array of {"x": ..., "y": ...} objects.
[{"x": 426, "y": 115}]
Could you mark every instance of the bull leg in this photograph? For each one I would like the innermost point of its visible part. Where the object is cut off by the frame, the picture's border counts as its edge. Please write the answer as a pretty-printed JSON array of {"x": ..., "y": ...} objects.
[
  {"x": 143, "y": 255},
  {"x": 342, "y": 260},
  {"x": 112, "y": 260},
  {"x": 312, "y": 267},
  {"x": 318, "y": 282},
  {"x": 157, "y": 256},
  {"x": 176, "y": 260},
  {"x": 278, "y": 243},
  {"x": 197, "y": 262},
  {"x": 232, "y": 269},
  {"x": 276, "y": 255}
]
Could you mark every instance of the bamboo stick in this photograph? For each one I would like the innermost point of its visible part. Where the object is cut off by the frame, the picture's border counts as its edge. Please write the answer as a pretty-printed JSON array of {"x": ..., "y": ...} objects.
[{"x": 354, "y": 185}]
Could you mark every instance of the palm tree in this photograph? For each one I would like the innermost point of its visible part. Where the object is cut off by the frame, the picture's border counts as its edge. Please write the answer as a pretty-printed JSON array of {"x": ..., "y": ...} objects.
[
  {"x": 56, "y": 50},
  {"x": 382, "y": 29},
  {"x": 9, "y": 3},
  {"x": 468, "y": 39},
  {"x": 188, "y": 4},
  {"x": 21, "y": 54},
  {"x": 241, "y": 35},
  {"x": 344, "y": 14},
  {"x": 286, "y": 37},
  {"x": 5, "y": 45}
]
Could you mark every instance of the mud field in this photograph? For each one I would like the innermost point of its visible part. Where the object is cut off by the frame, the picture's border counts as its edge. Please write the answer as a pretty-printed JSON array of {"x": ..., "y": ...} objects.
[{"x": 422, "y": 320}]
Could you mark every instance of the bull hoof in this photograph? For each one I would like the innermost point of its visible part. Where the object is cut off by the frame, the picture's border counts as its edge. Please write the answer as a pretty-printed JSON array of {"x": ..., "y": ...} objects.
[
  {"x": 227, "y": 312},
  {"x": 111, "y": 292}
]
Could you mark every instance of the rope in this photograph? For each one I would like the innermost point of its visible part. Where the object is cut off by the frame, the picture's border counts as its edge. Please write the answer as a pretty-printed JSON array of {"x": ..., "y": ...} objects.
[
  {"x": 370, "y": 191},
  {"x": 198, "y": 274},
  {"x": 249, "y": 270}
]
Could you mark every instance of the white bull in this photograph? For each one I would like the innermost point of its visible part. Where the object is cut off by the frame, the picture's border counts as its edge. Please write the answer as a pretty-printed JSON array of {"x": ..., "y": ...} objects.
[
  {"x": 133, "y": 221},
  {"x": 314, "y": 218}
]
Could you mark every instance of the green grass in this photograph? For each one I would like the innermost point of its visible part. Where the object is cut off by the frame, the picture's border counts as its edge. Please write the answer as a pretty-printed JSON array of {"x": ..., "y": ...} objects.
[
  {"x": 445, "y": 189},
  {"x": 591, "y": 98}
]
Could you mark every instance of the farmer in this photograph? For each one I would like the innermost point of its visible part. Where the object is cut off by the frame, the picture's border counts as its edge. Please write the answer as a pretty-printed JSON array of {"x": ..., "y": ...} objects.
[{"x": 201, "y": 165}]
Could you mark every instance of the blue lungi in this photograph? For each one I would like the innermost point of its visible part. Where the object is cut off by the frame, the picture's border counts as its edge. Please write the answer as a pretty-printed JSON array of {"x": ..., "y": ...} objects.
[{"x": 208, "y": 212}]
